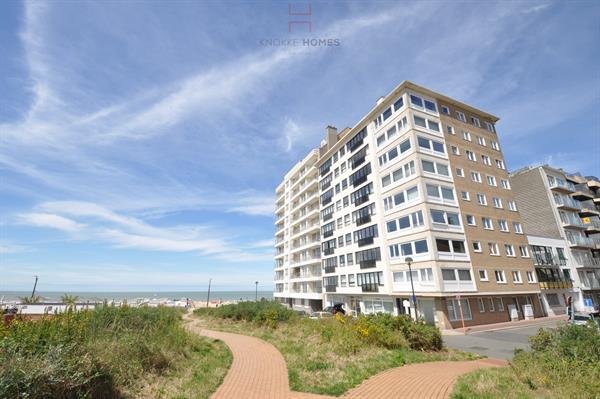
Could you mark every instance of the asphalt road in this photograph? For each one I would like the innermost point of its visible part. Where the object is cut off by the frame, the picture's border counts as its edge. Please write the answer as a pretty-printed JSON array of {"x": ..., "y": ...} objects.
[{"x": 498, "y": 344}]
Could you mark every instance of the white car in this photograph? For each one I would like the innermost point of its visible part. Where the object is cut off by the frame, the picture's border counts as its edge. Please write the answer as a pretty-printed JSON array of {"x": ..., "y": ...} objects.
[
  {"x": 581, "y": 319},
  {"x": 320, "y": 315}
]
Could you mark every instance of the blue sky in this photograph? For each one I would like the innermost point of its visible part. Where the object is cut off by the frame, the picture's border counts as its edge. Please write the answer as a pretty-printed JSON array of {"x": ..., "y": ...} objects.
[{"x": 141, "y": 142}]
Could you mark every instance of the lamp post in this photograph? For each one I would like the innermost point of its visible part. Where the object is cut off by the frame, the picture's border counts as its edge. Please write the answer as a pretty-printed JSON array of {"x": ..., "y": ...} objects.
[
  {"x": 256, "y": 292},
  {"x": 409, "y": 260}
]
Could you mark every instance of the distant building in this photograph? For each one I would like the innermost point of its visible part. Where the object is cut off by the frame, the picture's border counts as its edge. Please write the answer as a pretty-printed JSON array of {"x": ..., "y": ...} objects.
[{"x": 561, "y": 217}]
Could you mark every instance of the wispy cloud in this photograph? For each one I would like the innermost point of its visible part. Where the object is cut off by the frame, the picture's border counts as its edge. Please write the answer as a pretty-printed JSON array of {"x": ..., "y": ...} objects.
[{"x": 50, "y": 221}]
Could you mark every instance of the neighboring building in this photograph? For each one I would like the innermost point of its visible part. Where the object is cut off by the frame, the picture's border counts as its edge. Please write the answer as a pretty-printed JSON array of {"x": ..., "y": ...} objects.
[
  {"x": 561, "y": 207},
  {"x": 297, "y": 239},
  {"x": 420, "y": 176}
]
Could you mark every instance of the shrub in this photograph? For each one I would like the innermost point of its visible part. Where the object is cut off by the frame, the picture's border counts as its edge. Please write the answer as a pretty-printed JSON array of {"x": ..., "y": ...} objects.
[{"x": 265, "y": 313}]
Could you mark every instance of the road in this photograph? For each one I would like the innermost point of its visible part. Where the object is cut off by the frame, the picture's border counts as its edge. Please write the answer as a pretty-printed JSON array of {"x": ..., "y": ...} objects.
[{"x": 498, "y": 344}]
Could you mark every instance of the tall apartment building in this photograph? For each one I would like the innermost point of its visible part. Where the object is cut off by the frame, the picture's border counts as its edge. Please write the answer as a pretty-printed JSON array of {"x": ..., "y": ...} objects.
[
  {"x": 422, "y": 176},
  {"x": 561, "y": 217},
  {"x": 297, "y": 239}
]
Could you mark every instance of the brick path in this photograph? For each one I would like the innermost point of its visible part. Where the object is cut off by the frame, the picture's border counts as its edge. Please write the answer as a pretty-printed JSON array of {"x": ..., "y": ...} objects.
[{"x": 259, "y": 371}]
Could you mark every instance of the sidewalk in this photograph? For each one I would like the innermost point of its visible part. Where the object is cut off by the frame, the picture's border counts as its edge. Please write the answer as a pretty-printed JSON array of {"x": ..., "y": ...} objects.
[{"x": 542, "y": 321}]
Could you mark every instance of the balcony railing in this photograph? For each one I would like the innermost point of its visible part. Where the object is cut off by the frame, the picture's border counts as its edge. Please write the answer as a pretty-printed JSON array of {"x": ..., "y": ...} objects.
[
  {"x": 363, "y": 220},
  {"x": 567, "y": 202},
  {"x": 368, "y": 264},
  {"x": 329, "y": 269},
  {"x": 365, "y": 241},
  {"x": 550, "y": 285},
  {"x": 359, "y": 181},
  {"x": 582, "y": 242},
  {"x": 361, "y": 200},
  {"x": 546, "y": 259},
  {"x": 370, "y": 287},
  {"x": 560, "y": 185}
]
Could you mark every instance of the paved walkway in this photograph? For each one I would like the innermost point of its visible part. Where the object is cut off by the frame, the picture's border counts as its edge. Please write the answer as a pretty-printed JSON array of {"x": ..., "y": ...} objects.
[{"x": 259, "y": 371}]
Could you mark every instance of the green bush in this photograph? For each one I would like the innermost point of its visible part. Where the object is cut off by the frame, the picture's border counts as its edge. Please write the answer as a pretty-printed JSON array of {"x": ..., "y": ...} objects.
[
  {"x": 93, "y": 354},
  {"x": 263, "y": 313},
  {"x": 566, "y": 360}
]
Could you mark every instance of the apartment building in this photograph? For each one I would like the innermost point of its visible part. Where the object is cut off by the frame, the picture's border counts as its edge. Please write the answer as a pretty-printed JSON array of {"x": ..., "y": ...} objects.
[
  {"x": 297, "y": 238},
  {"x": 422, "y": 176},
  {"x": 564, "y": 208}
]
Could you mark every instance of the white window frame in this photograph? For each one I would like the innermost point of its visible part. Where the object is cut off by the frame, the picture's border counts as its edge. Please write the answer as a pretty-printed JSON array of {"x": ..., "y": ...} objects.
[
  {"x": 485, "y": 275},
  {"x": 493, "y": 249},
  {"x": 509, "y": 249},
  {"x": 502, "y": 275},
  {"x": 517, "y": 273},
  {"x": 478, "y": 244}
]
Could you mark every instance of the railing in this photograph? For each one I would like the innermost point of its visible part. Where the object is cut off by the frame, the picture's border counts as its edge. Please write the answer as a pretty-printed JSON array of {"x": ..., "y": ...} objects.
[
  {"x": 577, "y": 241},
  {"x": 562, "y": 185},
  {"x": 370, "y": 287},
  {"x": 549, "y": 285},
  {"x": 593, "y": 224},
  {"x": 546, "y": 259},
  {"x": 587, "y": 284},
  {"x": 572, "y": 221},
  {"x": 568, "y": 202},
  {"x": 365, "y": 241},
  {"x": 305, "y": 259},
  {"x": 367, "y": 264}
]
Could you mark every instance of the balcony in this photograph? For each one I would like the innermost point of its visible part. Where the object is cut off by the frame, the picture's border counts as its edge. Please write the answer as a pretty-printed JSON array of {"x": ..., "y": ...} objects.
[
  {"x": 368, "y": 264},
  {"x": 326, "y": 201},
  {"x": 568, "y": 203},
  {"x": 328, "y": 251},
  {"x": 588, "y": 209},
  {"x": 359, "y": 181},
  {"x": 363, "y": 220},
  {"x": 370, "y": 287},
  {"x": 562, "y": 187},
  {"x": 328, "y": 216},
  {"x": 361, "y": 200},
  {"x": 590, "y": 284},
  {"x": 572, "y": 223},
  {"x": 547, "y": 259},
  {"x": 593, "y": 226},
  {"x": 554, "y": 285},
  {"x": 328, "y": 233},
  {"x": 357, "y": 162},
  {"x": 581, "y": 242},
  {"x": 587, "y": 261},
  {"x": 365, "y": 241},
  {"x": 582, "y": 194},
  {"x": 330, "y": 288},
  {"x": 329, "y": 269}
]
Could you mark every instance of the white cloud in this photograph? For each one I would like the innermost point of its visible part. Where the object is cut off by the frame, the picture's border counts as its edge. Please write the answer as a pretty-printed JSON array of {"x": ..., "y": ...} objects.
[{"x": 50, "y": 221}]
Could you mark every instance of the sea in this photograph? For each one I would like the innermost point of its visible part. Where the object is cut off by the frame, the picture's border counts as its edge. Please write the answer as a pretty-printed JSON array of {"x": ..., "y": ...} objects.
[{"x": 48, "y": 296}]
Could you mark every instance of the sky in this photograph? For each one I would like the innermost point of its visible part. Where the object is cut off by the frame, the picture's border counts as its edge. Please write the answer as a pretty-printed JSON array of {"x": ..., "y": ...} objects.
[{"x": 141, "y": 142}]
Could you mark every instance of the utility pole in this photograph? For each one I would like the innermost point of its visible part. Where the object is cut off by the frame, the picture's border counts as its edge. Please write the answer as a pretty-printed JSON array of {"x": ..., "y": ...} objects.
[
  {"x": 34, "y": 286},
  {"x": 409, "y": 260},
  {"x": 256, "y": 292},
  {"x": 208, "y": 296}
]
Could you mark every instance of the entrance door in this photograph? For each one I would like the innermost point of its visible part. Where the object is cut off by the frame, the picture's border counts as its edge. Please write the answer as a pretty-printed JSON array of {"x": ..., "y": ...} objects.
[{"x": 426, "y": 310}]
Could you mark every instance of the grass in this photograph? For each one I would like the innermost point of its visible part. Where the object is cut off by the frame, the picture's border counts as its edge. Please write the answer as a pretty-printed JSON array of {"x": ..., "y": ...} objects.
[
  {"x": 329, "y": 356},
  {"x": 109, "y": 352},
  {"x": 562, "y": 363}
]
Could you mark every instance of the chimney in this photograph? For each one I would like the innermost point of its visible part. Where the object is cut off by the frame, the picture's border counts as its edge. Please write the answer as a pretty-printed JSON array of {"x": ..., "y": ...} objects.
[{"x": 331, "y": 135}]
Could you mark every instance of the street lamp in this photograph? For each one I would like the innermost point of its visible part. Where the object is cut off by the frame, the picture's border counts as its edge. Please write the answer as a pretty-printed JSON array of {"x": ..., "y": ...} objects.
[
  {"x": 409, "y": 260},
  {"x": 256, "y": 292}
]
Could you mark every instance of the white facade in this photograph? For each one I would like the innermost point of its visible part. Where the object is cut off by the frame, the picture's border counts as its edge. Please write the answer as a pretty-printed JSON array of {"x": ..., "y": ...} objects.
[{"x": 297, "y": 240}]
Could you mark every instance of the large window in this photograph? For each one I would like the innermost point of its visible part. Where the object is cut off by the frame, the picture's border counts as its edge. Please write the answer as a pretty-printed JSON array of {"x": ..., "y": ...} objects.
[
  {"x": 396, "y": 200},
  {"x": 455, "y": 307},
  {"x": 358, "y": 158},
  {"x": 408, "y": 248},
  {"x": 326, "y": 196},
  {"x": 437, "y": 168},
  {"x": 450, "y": 246},
  {"x": 412, "y": 220},
  {"x": 363, "y": 215},
  {"x": 394, "y": 152},
  {"x": 431, "y": 145},
  {"x": 327, "y": 213},
  {"x": 328, "y": 247},
  {"x": 360, "y": 176},
  {"x": 445, "y": 217},
  {"x": 368, "y": 257},
  {"x": 357, "y": 140},
  {"x": 361, "y": 195},
  {"x": 366, "y": 235},
  {"x": 325, "y": 167},
  {"x": 440, "y": 193},
  {"x": 399, "y": 174}
]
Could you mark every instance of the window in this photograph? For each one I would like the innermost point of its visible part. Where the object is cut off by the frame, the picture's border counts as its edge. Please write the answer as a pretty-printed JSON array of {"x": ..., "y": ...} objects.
[
  {"x": 435, "y": 168},
  {"x": 486, "y": 160},
  {"x": 481, "y": 199},
  {"x": 489, "y": 127},
  {"x": 450, "y": 246},
  {"x": 368, "y": 255},
  {"x": 524, "y": 251},
  {"x": 455, "y": 150},
  {"x": 400, "y": 198},
  {"x": 380, "y": 140},
  {"x": 460, "y": 172},
  {"x": 493, "y": 248},
  {"x": 426, "y": 123},
  {"x": 398, "y": 104},
  {"x": 500, "y": 304},
  {"x": 502, "y": 225},
  {"x": 487, "y": 223},
  {"x": 348, "y": 239},
  {"x": 476, "y": 177},
  {"x": 362, "y": 215},
  {"x": 444, "y": 217},
  {"x": 416, "y": 101},
  {"x": 360, "y": 176},
  {"x": 483, "y": 276},
  {"x": 475, "y": 121},
  {"x": 505, "y": 184},
  {"x": 387, "y": 113},
  {"x": 445, "y": 110},
  {"x": 476, "y": 246},
  {"x": 500, "y": 278},
  {"x": 481, "y": 140},
  {"x": 327, "y": 213},
  {"x": 426, "y": 275},
  {"x": 512, "y": 205},
  {"x": 497, "y": 202},
  {"x": 343, "y": 166},
  {"x": 361, "y": 195},
  {"x": 480, "y": 305},
  {"x": 471, "y": 220},
  {"x": 357, "y": 140},
  {"x": 465, "y": 196},
  {"x": 430, "y": 106},
  {"x": 394, "y": 152},
  {"x": 495, "y": 145},
  {"x": 431, "y": 145},
  {"x": 399, "y": 174},
  {"x": 471, "y": 156},
  {"x": 517, "y": 228},
  {"x": 510, "y": 250},
  {"x": 491, "y": 180},
  {"x": 342, "y": 280},
  {"x": 328, "y": 247},
  {"x": 516, "y": 276},
  {"x": 409, "y": 221},
  {"x": 450, "y": 129},
  {"x": 530, "y": 277},
  {"x": 454, "y": 309},
  {"x": 456, "y": 275},
  {"x": 466, "y": 136},
  {"x": 440, "y": 193},
  {"x": 500, "y": 164},
  {"x": 408, "y": 248},
  {"x": 350, "y": 259},
  {"x": 460, "y": 116},
  {"x": 365, "y": 235},
  {"x": 391, "y": 132},
  {"x": 326, "y": 196}
]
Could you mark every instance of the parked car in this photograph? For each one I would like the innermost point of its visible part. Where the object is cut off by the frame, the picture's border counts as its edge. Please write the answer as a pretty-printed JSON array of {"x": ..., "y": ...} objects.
[
  {"x": 302, "y": 313},
  {"x": 582, "y": 319},
  {"x": 336, "y": 308},
  {"x": 320, "y": 315}
]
